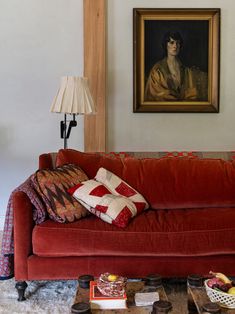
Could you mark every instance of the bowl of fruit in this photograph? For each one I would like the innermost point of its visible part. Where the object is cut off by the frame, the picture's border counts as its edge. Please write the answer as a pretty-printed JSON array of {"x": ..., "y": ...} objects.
[
  {"x": 220, "y": 289},
  {"x": 111, "y": 285}
]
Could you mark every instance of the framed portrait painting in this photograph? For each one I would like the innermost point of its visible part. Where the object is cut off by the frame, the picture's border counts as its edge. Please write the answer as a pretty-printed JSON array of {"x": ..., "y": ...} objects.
[{"x": 176, "y": 60}]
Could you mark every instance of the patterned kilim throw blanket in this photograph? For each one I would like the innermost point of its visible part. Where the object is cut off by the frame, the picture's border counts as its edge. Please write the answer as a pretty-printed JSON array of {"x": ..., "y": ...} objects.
[{"x": 39, "y": 215}]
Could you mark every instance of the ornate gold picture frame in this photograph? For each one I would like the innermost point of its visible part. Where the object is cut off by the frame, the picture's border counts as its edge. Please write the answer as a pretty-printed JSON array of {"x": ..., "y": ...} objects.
[{"x": 176, "y": 60}]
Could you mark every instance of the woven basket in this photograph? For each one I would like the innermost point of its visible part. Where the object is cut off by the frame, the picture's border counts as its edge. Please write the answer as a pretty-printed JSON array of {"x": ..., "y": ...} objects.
[{"x": 222, "y": 298}]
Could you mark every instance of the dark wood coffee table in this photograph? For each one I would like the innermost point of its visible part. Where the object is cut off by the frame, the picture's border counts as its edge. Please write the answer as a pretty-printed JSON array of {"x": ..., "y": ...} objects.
[
  {"x": 82, "y": 295},
  {"x": 199, "y": 297}
]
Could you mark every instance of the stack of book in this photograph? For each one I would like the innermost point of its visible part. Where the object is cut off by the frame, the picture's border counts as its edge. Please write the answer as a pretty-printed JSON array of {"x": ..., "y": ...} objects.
[{"x": 100, "y": 301}]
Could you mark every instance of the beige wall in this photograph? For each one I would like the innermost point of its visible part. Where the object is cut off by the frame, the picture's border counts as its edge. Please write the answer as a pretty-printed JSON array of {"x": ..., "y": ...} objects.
[
  {"x": 40, "y": 40},
  {"x": 129, "y": 131}
]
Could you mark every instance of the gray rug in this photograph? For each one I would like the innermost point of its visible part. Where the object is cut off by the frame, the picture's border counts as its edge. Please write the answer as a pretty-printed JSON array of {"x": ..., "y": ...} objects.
[{"x": 42, "y": 297}]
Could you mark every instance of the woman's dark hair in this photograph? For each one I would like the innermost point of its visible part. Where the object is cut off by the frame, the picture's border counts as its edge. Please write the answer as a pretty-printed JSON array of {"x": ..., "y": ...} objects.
[{"x": 168, "y": 36}]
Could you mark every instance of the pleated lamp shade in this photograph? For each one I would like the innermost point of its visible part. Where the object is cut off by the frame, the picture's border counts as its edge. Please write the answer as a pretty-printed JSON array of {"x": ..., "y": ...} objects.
[{"x": 73, "y": 96}]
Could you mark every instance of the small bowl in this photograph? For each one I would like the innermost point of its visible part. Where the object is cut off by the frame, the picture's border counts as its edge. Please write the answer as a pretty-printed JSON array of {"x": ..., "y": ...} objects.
[{"x": 109, "y": 288}]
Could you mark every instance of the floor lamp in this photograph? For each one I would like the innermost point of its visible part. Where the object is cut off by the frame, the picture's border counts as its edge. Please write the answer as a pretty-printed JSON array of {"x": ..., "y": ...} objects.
[{"x": 73, "y": 97}]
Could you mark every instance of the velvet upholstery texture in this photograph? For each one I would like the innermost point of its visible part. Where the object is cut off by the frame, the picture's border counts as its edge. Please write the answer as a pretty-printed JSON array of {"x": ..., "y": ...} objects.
[
  {"x": 46, "y": 268},
  {"x": 90, "y": 162},
  {"x": 175, "y": 232},
  {"x": 189, "y": 228},
  {"x": 169, "y": 182},
  {"x": 23, "y": 228}
]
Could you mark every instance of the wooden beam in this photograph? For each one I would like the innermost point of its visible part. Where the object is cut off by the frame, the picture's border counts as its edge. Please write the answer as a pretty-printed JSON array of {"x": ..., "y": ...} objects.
[{"x": 95, "y": 70}]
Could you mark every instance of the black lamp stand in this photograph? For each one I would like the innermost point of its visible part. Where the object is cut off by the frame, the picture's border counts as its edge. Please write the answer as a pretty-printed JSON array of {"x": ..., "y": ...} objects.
[{"x": 65, "y": 129}]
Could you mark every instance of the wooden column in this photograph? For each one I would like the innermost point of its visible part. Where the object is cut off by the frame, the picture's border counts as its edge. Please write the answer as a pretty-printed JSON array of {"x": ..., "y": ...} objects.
[{"x": 95, "y": 69}]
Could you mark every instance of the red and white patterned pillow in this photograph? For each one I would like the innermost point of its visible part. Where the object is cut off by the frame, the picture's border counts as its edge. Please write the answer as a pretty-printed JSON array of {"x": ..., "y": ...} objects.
[
  {"x": 99, "y": 200},
  {"x": 119, "y": 187}
]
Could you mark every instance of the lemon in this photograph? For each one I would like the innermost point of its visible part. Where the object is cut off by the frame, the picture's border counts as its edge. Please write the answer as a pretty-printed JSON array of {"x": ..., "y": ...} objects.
[
  {"x": 231, "y": 290},
  {"x": 112, "y": 277}
]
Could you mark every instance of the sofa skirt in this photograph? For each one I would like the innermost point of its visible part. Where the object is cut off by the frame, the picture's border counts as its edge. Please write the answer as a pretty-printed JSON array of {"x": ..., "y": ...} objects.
[{"x": 46, "y": 268}]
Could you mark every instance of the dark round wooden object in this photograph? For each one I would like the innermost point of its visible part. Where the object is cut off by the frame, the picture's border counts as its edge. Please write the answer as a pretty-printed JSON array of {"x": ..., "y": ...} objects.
[
  {"x": 84, "y": 281},
  {"x": 195, "y": 280},
  {"x": 153, "y": 280},
  {"x": 211, "y": 307},
  {"x": 161, "y": 307},
  {"x": 80, "y": 308}
]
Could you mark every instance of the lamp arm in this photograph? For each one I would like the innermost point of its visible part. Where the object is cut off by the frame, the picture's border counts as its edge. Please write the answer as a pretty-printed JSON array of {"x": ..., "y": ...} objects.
[
  {"x": 72, "y": 123},
  {"x": 65, "y": 130}
]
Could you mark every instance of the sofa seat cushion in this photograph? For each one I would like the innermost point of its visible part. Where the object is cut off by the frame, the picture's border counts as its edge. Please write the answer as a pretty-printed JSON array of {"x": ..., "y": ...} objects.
[{"x": 175, "y": 232}]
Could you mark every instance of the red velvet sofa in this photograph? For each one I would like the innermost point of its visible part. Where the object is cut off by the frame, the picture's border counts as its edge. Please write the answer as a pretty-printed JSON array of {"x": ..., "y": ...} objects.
[{"x": 189, "y": 228}]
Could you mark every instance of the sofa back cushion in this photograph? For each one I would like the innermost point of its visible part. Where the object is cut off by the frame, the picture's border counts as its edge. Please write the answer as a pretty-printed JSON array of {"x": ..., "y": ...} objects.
[
  {"x": 90, "y": 162},
  {"x": 168, "y": 182}
]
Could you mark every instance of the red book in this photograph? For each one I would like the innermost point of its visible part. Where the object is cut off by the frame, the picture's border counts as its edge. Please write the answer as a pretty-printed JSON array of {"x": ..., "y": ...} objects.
[{"x": 100, "y": 301}]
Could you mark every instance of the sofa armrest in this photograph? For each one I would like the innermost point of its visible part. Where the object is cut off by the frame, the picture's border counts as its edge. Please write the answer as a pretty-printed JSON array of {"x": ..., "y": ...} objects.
[
  {"x": 23, "y": 226},
  {"x": 47, "y": 161}
]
